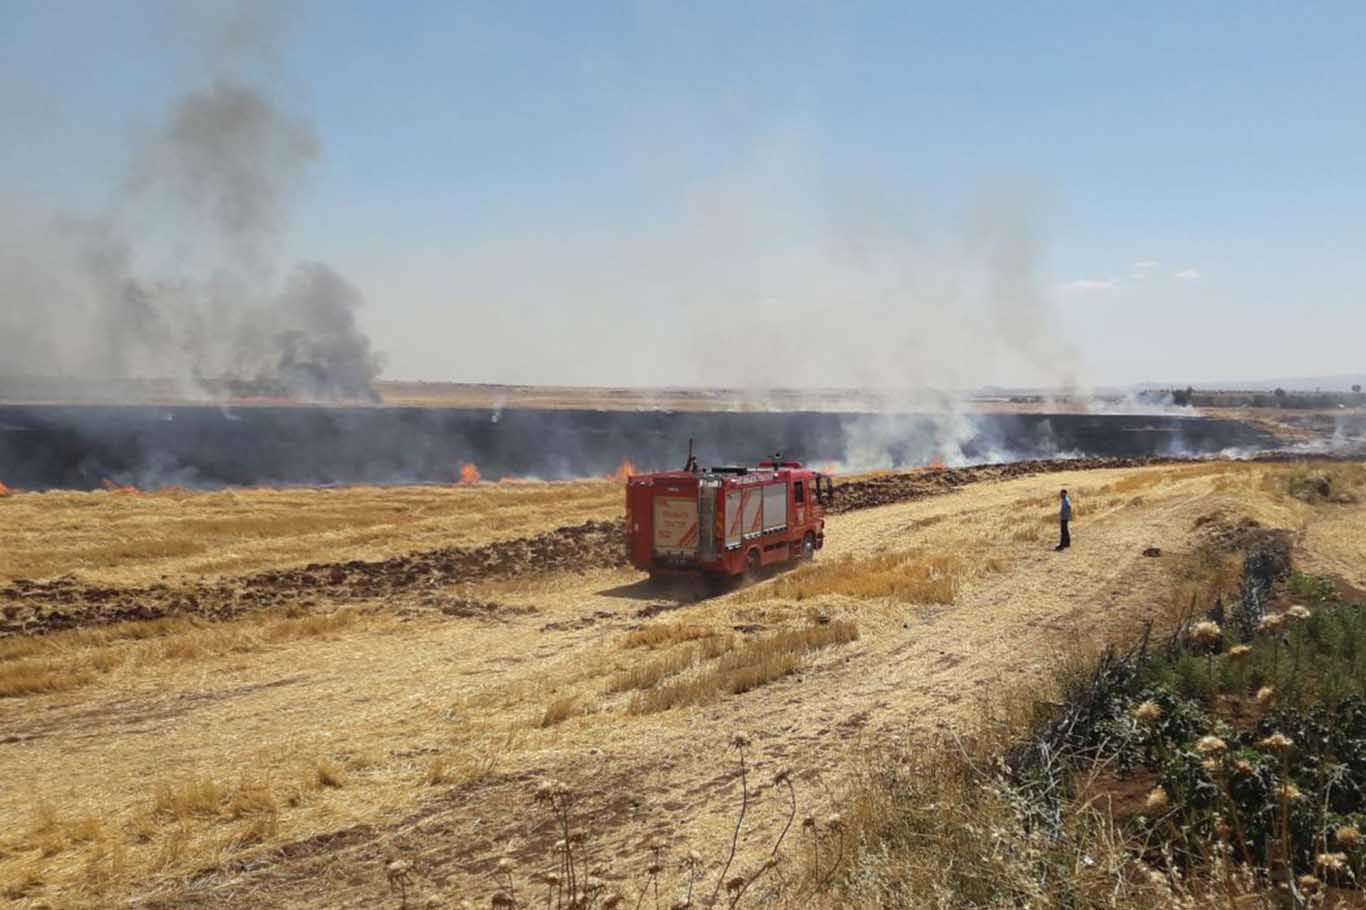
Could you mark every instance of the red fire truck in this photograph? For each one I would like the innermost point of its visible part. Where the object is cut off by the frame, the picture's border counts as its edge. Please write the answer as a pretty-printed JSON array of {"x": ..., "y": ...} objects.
[{"x": 727, "y": 521}]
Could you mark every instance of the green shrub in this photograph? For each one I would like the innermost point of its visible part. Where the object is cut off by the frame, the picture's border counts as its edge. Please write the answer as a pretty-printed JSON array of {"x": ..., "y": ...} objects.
[{"x": 1311, "y": 588}]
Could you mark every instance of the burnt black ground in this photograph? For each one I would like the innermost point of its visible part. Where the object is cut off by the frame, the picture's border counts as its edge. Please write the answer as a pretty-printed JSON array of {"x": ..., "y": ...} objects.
[{"x": 79, "y": 447}]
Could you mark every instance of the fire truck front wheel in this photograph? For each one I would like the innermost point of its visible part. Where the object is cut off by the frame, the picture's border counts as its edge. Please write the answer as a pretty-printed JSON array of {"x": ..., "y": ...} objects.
[{"x": 809, "y": 546}]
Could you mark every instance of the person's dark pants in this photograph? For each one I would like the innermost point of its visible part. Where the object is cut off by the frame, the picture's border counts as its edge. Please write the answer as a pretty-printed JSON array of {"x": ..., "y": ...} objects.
[{"x": 1066, "y": 540}]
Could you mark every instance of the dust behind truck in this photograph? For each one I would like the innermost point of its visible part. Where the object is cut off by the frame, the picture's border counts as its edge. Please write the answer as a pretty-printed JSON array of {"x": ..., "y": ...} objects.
[{"x": 723, "y": 522}]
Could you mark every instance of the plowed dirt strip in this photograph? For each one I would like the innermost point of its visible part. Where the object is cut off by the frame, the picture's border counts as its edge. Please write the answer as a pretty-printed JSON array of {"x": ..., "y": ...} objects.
[
  {"x": 36, "y": 607},
  {"x": 884, "y": 489}
]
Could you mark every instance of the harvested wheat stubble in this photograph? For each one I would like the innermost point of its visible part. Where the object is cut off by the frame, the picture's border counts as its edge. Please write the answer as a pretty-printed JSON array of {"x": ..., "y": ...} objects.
[
  {"x": 384, "y": 701},
  {"x": 29, "y": 607},
  {"x": 757, "y": 662}
]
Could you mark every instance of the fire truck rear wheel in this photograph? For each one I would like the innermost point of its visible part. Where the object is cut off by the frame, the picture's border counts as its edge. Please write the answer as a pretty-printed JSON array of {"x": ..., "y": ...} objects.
[
  {"x": 809, "y": 546},
  {"x": 752, "y": 566}
]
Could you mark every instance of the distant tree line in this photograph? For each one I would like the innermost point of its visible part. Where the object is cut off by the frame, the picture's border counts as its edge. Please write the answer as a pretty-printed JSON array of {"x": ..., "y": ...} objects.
[
  {"x": 1277, "y": 398},
  {"x": 1183, "y": 397}
]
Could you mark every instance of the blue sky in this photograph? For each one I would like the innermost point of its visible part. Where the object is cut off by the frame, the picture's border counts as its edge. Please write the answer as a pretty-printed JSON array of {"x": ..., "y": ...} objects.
[{"x": 596, "y": 193}]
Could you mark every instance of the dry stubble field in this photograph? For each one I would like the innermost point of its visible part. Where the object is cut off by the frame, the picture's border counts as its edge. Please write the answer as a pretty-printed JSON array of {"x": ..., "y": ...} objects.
[{"x": 284, "y": 757}]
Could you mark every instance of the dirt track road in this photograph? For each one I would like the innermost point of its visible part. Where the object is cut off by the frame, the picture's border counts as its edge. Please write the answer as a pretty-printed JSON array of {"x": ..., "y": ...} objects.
[{"x": 409, "y": 686}]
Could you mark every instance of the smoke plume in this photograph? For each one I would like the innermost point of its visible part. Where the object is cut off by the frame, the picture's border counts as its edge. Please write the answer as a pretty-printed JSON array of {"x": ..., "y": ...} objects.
[
  {"x": 180, "y": 278},
  {"x": 230, "y": 159}
]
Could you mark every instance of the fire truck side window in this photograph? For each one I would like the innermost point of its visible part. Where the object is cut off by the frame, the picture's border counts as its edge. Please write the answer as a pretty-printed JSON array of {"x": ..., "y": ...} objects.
[{"x": 799, "y": 492}]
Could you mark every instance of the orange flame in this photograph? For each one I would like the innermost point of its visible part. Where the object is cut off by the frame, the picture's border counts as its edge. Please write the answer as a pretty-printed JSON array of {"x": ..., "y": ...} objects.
[
  {"x": 936, "y": 465},
  {"x": 4, "y": 490},
  {"x": 122, "y": 489},
  {"x": 469, "y": 474},
  {"x": 828, "y": 468},
  {"x": 624, "y": 471}
]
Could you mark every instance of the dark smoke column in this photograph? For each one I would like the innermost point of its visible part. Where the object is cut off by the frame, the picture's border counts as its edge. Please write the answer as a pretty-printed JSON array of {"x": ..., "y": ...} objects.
[
  {"x": 180, "y": 280},
  {"x": 324, "y": 356}
]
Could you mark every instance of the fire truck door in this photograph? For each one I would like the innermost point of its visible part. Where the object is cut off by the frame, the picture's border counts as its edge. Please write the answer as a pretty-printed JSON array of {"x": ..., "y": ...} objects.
[{"x": 734, "y": 527}]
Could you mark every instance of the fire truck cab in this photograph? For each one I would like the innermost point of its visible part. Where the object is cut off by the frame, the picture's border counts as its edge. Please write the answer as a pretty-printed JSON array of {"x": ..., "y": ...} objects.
[{"x": 726, "y": 521}]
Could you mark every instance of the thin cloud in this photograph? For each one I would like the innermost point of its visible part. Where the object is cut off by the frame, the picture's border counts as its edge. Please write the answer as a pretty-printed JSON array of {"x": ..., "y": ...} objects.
[
  {"x": 1188, "y": 274},
  {"x": 1089, "y": 284},
  {"x": 1143, "y": 265}
]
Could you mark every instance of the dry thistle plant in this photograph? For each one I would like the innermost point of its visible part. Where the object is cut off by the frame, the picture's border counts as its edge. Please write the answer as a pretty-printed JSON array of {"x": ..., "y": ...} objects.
[
  {"x": 1211, "y": 746},
  {"x": 1207, "y": 635},
  {"x": 1150, "y": 712},
  {"x": 572, "y": 885}
]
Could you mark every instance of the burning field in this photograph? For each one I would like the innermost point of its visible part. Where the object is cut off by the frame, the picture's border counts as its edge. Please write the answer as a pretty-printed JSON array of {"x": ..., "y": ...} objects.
[
  {"x": 89, "y": 447},
  {"x": 356, "y": 697}
]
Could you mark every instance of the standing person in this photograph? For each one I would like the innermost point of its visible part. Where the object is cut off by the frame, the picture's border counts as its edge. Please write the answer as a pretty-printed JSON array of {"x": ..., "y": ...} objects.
[{"x": 1064, "y": 516}]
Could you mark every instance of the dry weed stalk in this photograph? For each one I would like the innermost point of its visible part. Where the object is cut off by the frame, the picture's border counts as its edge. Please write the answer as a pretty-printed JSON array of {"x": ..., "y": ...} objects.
[
  {"x": 740, "y": 742},
  {"x": 399, "y": 875},
  {"x": 572, "y": 886},
  {"x": 575, "y": 885}
]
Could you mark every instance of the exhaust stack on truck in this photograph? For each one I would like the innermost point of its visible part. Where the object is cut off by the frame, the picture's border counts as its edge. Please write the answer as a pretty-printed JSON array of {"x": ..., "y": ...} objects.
[{"x": 727, "y": 521}]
